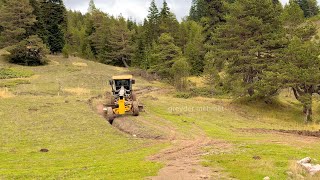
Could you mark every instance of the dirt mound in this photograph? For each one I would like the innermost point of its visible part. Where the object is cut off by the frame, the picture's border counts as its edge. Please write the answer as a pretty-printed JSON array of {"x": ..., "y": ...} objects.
[
  {"x": 295, "y": 132},
  {"x": 183, "y": 160},
  {"x": 136, "y": 129}
]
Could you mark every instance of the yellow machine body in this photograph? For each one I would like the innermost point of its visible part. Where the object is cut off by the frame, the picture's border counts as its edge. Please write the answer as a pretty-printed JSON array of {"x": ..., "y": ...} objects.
[
  {"x": 123, "y": 100},
  {"x": 122, "y": 109}
]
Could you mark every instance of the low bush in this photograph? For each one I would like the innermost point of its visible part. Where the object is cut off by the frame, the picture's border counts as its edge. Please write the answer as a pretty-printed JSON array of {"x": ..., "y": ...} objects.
[
  {"x": 29, "y": 52},
  {"x": 13, "y": 83},
  {"x": 8, "y": 73}
]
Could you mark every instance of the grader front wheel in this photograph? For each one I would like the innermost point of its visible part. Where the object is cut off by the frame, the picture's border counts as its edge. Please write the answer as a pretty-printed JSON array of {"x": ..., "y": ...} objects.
[{"x": 135, "y": 108}]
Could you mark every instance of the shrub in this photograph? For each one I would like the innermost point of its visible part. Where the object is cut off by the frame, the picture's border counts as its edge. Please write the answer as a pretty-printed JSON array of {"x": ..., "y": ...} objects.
[
  {"x": 184, "y": 95},
  {"x": 65, "y": 51},
  {"x": 180, "y": 71},
  {"x": 29, "y": 52}
]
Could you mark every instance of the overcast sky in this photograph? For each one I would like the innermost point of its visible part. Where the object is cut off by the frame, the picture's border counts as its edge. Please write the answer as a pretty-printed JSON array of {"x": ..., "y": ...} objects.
[{"x": 136, "y": 9}]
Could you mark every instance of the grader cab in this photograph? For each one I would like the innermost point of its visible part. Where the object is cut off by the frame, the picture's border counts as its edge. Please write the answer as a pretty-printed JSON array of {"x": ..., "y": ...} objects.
[{"x": 123, "y": 99}]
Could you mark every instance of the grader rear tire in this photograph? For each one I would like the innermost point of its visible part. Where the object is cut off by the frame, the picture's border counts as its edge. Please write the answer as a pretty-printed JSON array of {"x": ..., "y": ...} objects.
[
  {"x": 110, "y": 115},
  {"x": 135, "y": 108}
]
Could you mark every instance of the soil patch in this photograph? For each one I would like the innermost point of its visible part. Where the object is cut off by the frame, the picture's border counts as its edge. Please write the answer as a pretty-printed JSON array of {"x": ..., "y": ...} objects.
[{"x": 295, "y": 132}]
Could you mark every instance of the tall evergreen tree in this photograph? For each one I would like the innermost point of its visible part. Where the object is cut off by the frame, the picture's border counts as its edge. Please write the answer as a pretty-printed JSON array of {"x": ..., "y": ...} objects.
[
  {"x": 53, "y": 13},
  {"x": 168, "y": 22},
  {"x": 16, "y": 17},
  {"x": 92, "y": 6},
  {"x": 194, "y": 11},
  {"x": 193, "y": 48},
  {"x": 299, "y": 70},
  {"x": 310, "y": 7},
  {"x": 38, "y": 28},
  {"x": 164, "y": 55},
  {"x": 152, "y": 24},
  {"x": 120, "y": 43},
  {"x": 249, "y": 41},
  {"x": 98, "y": 31},
  {"x": 212, "y": 13}
]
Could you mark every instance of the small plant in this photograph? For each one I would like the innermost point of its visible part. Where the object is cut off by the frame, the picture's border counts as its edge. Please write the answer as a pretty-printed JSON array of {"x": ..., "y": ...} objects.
[
  {"x": 8, "y": 73},
  {"x": 65, "y": 51},
  {"x": 183, "y": 95}
]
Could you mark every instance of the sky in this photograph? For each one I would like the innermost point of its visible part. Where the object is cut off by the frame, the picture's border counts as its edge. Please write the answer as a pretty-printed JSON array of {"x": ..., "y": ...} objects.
[{"x": 135, "y": 9}]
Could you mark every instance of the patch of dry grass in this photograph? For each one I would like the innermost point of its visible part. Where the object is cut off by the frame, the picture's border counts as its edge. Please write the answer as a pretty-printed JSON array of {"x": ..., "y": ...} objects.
[
  {"x": 80, "y": 64},
  {"x": 5, "y": 93},
  {"x": 77, "y": 91}
]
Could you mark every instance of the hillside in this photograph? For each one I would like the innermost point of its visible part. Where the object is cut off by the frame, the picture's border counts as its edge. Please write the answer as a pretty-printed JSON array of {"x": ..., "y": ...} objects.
[{"x": 54, "y": 108}]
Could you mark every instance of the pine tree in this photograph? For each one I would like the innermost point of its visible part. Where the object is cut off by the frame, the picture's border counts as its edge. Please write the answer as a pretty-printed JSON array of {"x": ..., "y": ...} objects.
[
  {"x": 194, "y": 11},
  {"x": 299, "y": 70},
  {"x": 120, "y": 39},
  {"x": 38, "y": 28},
  {"x": 164, "y": 55},
  {"x": 310, "y": 7},
  {"x": 180, "y": 70},
  {"x": 152, "y": 24},
  {"x": 53, "y": 13},
  {"x": 15, "y": 17},
  {"x": 194, "y": 49},
  {"x": 212, "y": 13},
  {"x": 98, "y": 32},
  {"x": 168, "y": 22},
  {"x": 292, "y": 14},
  {"x": 249, "y": 41},
  {"x": 298, "y": 67},
  {"x": 92, "y": 6},
  {"x": 139, "y": 57}
]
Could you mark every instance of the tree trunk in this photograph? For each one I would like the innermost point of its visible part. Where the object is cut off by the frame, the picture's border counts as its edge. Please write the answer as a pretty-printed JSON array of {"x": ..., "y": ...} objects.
[
  {"x": 251, "y": 91},
  {"x": 307, "y": 108},
  {"x": 125, "y": 63},
  {"x": 308, "y": 114}
]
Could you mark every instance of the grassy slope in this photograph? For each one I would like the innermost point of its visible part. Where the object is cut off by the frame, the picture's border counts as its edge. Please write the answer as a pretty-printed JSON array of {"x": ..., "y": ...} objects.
[{"x": 82, "y": 145}]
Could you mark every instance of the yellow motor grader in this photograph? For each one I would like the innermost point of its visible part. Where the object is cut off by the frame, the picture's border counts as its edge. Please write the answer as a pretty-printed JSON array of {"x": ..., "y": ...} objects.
[{"x": 123, "y": 99}]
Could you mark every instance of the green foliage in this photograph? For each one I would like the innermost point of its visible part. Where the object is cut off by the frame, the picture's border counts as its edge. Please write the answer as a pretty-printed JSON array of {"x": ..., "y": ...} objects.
[
  {"x": 248, "y": 42},
  {"x": 183, "y": 95},
  {"x": 29, "y": 52},
  {"x": 38, "y": 27},
  {"x": 9, "y": 73},
  {"x": 65, "y": 51},
  {"x": 92, "y": 6},
  {"x": 168, "y": 22},
  {"x": 193, "y": 46},
  {"x": 299, "y": 70},
  {"x": 292, "y": 14},
  {"x": 53, "y": 14},
  {"x": 15, "y": 17},
  {"x": 13, "y": 83},
  {"x": 163, "y": 56},
  {"x": 152, "y": 24},
  {"x": 180, "y": 71},
  {"x": 120, "y": 43},
  {"x": 310, "y": 7}
]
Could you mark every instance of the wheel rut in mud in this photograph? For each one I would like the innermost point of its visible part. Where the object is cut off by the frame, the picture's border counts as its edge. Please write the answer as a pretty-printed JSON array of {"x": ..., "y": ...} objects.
[{"x": 183, "y": 158}]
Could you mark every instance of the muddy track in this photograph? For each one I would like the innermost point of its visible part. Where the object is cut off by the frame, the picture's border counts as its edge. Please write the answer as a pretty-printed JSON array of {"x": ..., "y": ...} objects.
[
  {"x": 183, "y": 159},
  {"x": 294, "y": 132}
]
